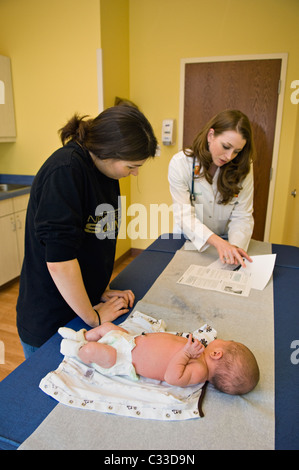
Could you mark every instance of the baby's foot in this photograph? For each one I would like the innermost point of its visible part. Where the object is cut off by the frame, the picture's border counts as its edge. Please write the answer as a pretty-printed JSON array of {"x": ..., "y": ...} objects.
[
  {"x": 70, "y": 348},
  {"x": 68, "y": 333}
]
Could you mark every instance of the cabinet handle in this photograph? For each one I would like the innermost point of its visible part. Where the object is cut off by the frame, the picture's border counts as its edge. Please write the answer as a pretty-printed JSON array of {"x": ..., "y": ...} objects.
[
  {"x": 19, "y": 222},
  {"x": 13, "y": 224},
  {"x": 294, "y": 193}
]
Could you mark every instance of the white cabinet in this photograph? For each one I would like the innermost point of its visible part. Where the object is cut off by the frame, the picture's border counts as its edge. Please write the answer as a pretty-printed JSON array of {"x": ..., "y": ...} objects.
[
  {"x": 7, "y": 113},
  {"x": 12, "y": 235}
]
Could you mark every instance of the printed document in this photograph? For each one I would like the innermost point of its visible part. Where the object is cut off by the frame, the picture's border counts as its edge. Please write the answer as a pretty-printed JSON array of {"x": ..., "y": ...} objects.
[
  {"x": 221, "y": 280},
  {"x": 231, "y": 279}
]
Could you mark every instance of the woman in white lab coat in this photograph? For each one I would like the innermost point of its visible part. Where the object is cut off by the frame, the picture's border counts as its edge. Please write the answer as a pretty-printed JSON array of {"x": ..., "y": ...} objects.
[{"x": 212, "y": 187}]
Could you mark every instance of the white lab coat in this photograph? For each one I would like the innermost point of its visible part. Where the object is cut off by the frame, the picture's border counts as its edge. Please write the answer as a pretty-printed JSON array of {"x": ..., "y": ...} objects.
[{"x": 205, "y": 217}]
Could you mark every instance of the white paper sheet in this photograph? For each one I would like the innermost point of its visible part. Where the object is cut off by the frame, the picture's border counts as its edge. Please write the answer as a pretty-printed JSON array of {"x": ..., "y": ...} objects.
[{"x": 260, "y": 269}]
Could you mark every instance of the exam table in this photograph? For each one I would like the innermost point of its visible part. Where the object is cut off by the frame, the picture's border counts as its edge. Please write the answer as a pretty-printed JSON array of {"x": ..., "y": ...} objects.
[{"x": 23, "y": 406}]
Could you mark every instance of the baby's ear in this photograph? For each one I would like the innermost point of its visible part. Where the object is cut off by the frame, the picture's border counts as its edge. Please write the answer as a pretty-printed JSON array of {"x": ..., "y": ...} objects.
[{"x": 216, "y": 354}]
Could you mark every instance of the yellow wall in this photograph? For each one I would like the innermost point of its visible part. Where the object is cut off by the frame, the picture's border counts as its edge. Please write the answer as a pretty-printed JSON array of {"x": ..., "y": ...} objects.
[
  {"x": 52, "y": 46},
  {"x": 115, "y": 52},
  {"x": 115, "y": 46},
  {"x": 162, "y": 32}
]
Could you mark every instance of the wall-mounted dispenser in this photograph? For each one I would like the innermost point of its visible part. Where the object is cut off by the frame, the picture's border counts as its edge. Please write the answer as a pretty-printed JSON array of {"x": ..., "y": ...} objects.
[{"x": 168, "y": 132}]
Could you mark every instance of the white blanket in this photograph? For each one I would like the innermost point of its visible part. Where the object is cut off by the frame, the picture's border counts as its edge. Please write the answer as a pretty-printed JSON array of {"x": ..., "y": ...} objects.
[{"x": 80, "y": 386}]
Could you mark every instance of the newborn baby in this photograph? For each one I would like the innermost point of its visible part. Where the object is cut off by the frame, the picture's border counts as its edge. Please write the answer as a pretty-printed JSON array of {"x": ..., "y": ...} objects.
[{"x": 229, "y": 366}]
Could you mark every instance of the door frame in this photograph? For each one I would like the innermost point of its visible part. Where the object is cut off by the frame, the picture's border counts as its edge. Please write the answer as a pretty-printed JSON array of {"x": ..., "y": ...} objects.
[
  {"x": 281, "y": 92},
  {"x": 99, "y": 59}
]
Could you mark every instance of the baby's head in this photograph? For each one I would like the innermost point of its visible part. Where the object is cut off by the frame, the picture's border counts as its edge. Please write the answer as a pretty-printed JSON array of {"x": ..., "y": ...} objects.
[{"x": 233, "y": 367}]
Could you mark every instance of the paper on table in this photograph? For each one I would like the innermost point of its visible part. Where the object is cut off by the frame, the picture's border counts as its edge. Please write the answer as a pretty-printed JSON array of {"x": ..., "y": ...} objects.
[
  {"x": 228, "y": 282},
  {"x": 260, "y": 269}
]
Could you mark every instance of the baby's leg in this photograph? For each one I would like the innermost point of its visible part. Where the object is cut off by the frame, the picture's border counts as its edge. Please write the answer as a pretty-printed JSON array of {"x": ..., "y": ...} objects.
[
  {"x": 97, "y": 333},
  {"x": 101, "y": 354}
]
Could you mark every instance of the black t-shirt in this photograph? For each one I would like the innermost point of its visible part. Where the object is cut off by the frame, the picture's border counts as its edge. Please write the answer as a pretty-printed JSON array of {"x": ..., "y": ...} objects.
[{"x": 72, "y": 213}]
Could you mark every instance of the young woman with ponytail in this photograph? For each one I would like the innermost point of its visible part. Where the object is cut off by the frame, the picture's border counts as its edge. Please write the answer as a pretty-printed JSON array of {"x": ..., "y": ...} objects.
[{"x": 72, "y": 224}]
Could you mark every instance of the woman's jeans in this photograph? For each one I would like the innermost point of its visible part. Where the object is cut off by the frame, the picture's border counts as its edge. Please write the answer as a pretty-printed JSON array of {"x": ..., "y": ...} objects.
[{"x": 28, "y": 350}]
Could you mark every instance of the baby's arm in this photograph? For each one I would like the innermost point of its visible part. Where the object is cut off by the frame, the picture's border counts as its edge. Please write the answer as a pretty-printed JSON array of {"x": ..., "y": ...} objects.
[{"x": 180, "y": 371}]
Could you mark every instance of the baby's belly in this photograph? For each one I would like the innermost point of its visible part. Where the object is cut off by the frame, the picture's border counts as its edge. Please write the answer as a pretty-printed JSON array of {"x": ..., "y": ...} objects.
[{"x": 153, "y": 352}]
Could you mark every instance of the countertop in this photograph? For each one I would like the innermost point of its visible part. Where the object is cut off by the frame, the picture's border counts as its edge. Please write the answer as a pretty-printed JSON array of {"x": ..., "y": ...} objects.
[{"x": 16, "y": 185}]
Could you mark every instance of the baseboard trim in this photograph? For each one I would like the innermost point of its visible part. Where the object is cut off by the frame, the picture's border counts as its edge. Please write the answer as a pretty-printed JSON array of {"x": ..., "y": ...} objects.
[
  {"x": 136, "y": 251},
  {"x": 131, "y": 252}
]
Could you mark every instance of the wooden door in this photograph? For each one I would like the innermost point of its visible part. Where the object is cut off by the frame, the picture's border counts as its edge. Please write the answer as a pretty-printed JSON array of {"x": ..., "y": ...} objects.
[{"x": 252, "y": 86}]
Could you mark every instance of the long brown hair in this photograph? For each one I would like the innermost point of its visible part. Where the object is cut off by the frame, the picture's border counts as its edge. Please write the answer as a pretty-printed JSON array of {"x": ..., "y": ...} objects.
[
  {"x": 120, "y": 132},
  {"x": 233, "y": 173}
]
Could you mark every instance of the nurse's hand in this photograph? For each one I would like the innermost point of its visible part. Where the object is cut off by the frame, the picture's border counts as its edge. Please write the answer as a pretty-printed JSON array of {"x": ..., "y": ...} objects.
[{"x": 228, "y": 254}]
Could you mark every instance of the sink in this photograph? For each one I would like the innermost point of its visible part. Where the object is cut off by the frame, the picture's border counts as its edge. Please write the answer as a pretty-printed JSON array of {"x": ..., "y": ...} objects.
[{"x": 7, "y": 187}]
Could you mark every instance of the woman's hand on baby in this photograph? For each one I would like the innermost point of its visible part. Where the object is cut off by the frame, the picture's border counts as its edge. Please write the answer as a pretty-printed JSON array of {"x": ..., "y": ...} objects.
[
  {"x": 112, "y": 309},
  {"x": 193, "y": 347},
  {"x": 127, "y": 295}
]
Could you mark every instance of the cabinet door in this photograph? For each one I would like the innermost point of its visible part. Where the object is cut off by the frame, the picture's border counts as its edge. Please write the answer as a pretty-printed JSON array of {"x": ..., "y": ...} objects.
[
  {"x": 9, "y": 256},
  {"x": 7, "y": 114},
  {"x": 6, "y": 207},
  {"x": 20, "y": 203}
]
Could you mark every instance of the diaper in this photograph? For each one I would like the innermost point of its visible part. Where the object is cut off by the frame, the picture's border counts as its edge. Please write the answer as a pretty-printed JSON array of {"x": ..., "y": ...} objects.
[
  {"x": 123, "y": 343},
  {"x": 119, "y": 340}
]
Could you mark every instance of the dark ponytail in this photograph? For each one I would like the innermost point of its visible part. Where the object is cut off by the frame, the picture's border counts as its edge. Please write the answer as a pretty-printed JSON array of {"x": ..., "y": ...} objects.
[{"x": 75, "y": 129}]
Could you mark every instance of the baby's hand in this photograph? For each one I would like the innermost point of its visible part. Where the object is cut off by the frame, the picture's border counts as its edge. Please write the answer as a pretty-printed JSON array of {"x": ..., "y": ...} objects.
[{"x": 193, "y": 348}]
